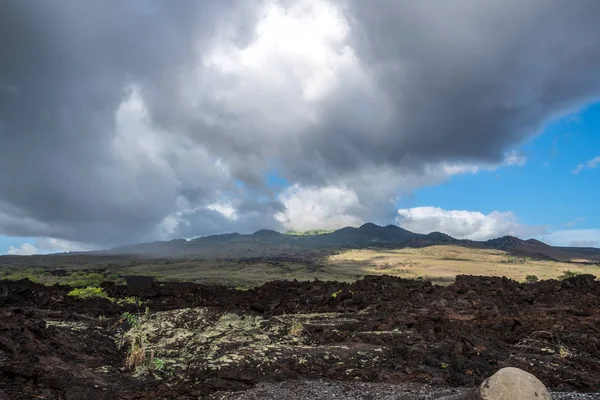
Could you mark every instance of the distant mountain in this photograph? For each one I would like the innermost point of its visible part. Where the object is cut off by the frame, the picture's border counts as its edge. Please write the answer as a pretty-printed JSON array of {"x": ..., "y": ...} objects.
[
  {"x": 538, "y": 250},
  {"x": 366, "y": 235},
  {"x": 267, "y": 233},
  {"x": 269, "y": 243}
]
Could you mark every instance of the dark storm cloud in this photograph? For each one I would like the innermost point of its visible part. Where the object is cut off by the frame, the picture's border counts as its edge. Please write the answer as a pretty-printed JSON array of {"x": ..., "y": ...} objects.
[
  {"x": 466, "y": 80},
  {"x": 70, "y": 63},
  {"x": 115, "y": 115},
  {"x": 66, "y": 67}
]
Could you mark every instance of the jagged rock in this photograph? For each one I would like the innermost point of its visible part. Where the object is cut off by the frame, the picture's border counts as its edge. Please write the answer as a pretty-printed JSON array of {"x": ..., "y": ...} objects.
[{"x": 507, "y": 384}]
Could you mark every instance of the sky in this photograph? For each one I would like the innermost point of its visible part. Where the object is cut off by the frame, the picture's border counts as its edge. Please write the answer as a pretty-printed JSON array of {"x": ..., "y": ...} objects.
[{"x": 126, "y": 122}]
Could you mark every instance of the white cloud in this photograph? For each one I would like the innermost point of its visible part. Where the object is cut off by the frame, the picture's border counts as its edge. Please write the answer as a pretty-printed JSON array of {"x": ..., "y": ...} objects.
[
  {"x": 464, "y": 224},
  {"x": 53, "y": 245},
  {"x": 593, "y": 163},
  {"x": 514, "y": 158},
  {"x": 369, "y": 195},
  {"x": 275, "y": 84},
  {"x": 26, "y": 249},
  {"x": 456, "y": 169},
  {"x": 46, "y": 246},
  {"x": 329, "y": 207},
  {"x": 572, "y": 237},
  {"x": 225, "y": 208},
  {"x": 574, "y": 222},
  {"x": 511, "y": 158}
]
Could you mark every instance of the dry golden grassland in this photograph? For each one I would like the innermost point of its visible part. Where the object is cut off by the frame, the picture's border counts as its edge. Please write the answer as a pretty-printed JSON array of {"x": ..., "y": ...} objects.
[{"x": 442, "y": 263}]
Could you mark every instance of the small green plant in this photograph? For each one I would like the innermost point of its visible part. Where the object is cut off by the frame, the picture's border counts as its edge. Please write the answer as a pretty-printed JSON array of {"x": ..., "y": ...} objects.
[
  {"x": 88, "y": 293},
  {"x": 140, "y": 354},
  {"x": 336, "y": 294},
  {"x": 568, "y": 274},
  {"x": 296, "y": 329},
  {"x": 131, "y": 319},
  {"x": 531, "y": 279},
  {"x": 444, "y": 365},
  {"x": 132, "y": 300},
  {"x": 158, "y": 364},
  {"x": 137, "y": 354},
  {"x": 563, "y": 351}
]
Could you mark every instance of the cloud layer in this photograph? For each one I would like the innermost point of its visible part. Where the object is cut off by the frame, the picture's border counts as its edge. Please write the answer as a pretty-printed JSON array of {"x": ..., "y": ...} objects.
[
  {"x": 593, "y": 163},
  {"x": 129, "y": 121},
  {"x": 573, "y": 237},
  {"x": 463, "y": 224},
  {"x": 46, "y": 245}
]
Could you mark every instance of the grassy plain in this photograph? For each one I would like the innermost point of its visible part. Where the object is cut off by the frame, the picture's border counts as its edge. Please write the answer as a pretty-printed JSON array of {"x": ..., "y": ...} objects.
[{"x": 439, "y": 264}]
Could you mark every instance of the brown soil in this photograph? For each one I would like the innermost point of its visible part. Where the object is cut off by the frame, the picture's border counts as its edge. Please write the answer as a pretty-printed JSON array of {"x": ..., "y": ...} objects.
[{"x": 378, "y": 329}]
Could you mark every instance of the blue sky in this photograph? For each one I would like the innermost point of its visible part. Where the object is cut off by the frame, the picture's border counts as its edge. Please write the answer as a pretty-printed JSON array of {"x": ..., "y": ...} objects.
[{"x": 546, "y": 191}]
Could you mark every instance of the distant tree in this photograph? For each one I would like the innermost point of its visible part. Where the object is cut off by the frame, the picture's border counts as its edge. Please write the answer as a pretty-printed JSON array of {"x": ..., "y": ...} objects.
[
  {"x": 531, "y": 279},
  {"x": 568, "y": 274}
]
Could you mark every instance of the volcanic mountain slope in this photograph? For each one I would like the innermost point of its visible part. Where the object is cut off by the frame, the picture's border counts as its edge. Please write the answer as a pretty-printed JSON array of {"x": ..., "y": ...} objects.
[
  {"x": 269, "y": 242},
  {"x": 541, "y": 251}
]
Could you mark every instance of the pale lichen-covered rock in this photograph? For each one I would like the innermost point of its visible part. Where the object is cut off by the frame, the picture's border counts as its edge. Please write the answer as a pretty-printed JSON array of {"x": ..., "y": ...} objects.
[
  {"x": 507, "y": 384},
  {"x": 513, "y": 383}
]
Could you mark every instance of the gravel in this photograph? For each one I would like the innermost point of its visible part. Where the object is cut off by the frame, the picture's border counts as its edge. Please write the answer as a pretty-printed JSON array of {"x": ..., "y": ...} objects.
[
  {"x": 575, "y": 396},
  {"x": 328, "y": 390}
]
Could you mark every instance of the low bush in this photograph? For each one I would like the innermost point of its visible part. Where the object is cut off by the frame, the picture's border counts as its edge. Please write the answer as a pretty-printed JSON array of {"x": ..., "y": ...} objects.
[
  {"x": 88, "y": 293},
  {"x": 531, "y": 279},
  {"x": 568, "y": 274}
]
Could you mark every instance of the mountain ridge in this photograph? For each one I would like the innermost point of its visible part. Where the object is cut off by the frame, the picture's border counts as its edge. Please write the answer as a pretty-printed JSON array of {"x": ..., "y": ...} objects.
[{"x": 367, "y": 235}]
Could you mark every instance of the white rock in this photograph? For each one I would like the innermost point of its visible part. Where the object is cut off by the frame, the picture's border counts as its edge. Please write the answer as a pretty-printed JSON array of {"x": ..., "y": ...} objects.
[
  {"x": 507, "y": 384},
  {"x": 512, "y": 384}
]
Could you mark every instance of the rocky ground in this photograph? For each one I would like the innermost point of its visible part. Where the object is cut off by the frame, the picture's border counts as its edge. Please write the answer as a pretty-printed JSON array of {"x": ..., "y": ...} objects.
[
  {"x": 380, "y": 337},
  {"x": 327, "y": 390}
]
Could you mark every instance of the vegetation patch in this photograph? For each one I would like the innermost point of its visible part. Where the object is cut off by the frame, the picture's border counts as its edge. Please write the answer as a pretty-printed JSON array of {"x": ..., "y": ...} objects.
[
  {"x": 531, "y": 279},
  {"x": 131, "y": 300},
  {"x": 77, "y": 276},
  {"x": 201, "y": 338},
  {"x": 568, "y": 274},
  {"x": 89, "y": 292},
  {"x": 140, "y": 354}
]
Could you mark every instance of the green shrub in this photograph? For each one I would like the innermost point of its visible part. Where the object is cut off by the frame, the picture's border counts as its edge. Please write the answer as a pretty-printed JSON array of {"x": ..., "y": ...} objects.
[
  {"x": 131, "y": 300},
  {"x": 84, "y": 278},
  {"x": 140, "y": 354},
  {"x": 531, "y": 279},
  {"x": 88, "y": 293},
  {"x": 568, "y": 274},
  {"x": 158, "y": 364},
  {"x": 131, "y": 319}
]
